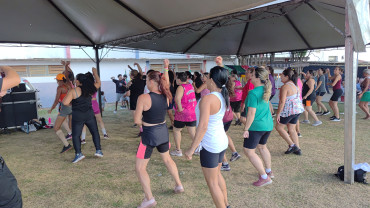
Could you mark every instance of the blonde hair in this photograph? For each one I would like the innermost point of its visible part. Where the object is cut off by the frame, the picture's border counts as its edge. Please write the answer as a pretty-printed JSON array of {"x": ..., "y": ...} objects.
[
  {"x": 367, "y": 71},
  {"x": 263, "y": 75}
]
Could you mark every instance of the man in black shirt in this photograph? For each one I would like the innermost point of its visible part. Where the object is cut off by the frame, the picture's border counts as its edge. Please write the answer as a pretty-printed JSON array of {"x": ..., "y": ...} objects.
[
  {"x": 10, "y": 195},
  {"x": 120, "y": 89}
]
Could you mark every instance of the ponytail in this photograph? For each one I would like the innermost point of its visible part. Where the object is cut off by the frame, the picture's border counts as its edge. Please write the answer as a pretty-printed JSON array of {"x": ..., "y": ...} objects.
[
  {"x": 219, "y": 75},
  {"x": 263, "y": 75},
  {"x": 162, "y": 83},
  {"x": 87, "y": 84},
  {"x": 230, "y": 89},
  {"x": 267, "y": 90}
]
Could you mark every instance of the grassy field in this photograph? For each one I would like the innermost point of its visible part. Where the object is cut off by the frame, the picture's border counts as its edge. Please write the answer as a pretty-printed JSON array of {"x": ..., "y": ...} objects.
[{"x": 49, "y": 179}]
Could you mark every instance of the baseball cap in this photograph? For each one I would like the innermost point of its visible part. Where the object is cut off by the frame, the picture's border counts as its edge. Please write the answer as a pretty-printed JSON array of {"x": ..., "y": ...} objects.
[{"x": 60, "y": 77}]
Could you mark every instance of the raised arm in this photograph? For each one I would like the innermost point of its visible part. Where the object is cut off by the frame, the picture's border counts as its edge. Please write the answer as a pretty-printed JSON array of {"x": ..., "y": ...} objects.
[
  {"x": 139, "y": 68},
  {"x": 96, "y": 77},
  {"x": 11, "y": 78},
  {"x": 201, "y": 88},
  {"x": 166, "y": 63}
]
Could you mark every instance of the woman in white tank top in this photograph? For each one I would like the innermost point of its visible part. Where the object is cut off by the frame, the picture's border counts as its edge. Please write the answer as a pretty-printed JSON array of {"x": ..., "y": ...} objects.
[{"x": 211, "y": 136}]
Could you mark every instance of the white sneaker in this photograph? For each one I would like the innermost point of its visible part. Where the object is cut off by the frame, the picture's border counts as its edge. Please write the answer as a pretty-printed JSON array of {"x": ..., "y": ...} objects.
[
  {"x": 176, "y": 153},
  {"x": 305, "y": 122},
  {"x": 114, "y": 112},
  {"x": 148, "y": 203},
  {"x": 316, "y": 123}
]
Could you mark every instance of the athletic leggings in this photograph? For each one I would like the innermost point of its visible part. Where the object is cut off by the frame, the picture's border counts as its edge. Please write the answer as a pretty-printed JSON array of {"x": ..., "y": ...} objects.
[{"x": 79, "y": 119}]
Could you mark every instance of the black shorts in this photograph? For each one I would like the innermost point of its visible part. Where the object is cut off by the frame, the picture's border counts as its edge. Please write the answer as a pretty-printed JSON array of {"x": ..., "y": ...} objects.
[
  {"x": 145, "y": 151},
  {"x": 271, "y": 97},
  {"x": 209, "y": 159},
  {"x": 227, "y": 125},
  {"x": 310, "y": 98},
  {"x": 255, "y": 138},
  {"x": 336, "y": 95},
  {"x": 235, "y": 106},
  {"x": 182, "y": 124},
  {"x": 292, "y": 119},
  {"x": 320, "y": 93}
]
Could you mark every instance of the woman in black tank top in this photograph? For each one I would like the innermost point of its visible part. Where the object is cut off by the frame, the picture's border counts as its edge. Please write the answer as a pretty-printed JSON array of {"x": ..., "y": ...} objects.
[
  {"x": 150, "y": 113},
  {"x": 82, "y": 112}
]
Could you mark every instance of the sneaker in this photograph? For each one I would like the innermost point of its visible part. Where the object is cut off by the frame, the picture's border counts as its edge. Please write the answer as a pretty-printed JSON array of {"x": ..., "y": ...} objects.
[
  {"x": 234, "y": 157},
  {"x": 147, "y": 203},
  {"x": 274, "y": 114},
  {"x": 135, "y": 125},
  {"x": 69, "y": 137},
  {"x": 122, "y": 107},
  {"x": 78, "y": 157},
  {"x": 98, "y": 153},
  {"x": 316, "y": 123},
  {"x": 305, "y": 122},
  {"x": 176, "y": 153},
  {"x": 335, "y": 119},
  {"x": 114, "y": 112},
  {"x": 237, "y": 122},
  {"x": 298, "y": 152},
  {"x": 326, "y": 113},
  {"x": 271, "y": 175},
  {"x": 170, "y": 128},
  {"x": 83, "y": 141},
  {"x": 291, "y": 149},
  {"x": 262, "y": 182},
  {"x": 225, "y": 167},
  {"x": 106, "y": 136},
  {"x": 66, "y": 148},
  {"x": 178, "y": 189},
  {"x": 319, "y": 113},
  {"x": 299, "y": 134},
  {"x": 331, "y": 118}
]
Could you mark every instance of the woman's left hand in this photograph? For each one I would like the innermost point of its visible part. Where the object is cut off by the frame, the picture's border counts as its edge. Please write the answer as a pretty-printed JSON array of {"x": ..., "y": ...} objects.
[
  {"x": 246, "y": 134},
  {"x": 189, "y": 154}
]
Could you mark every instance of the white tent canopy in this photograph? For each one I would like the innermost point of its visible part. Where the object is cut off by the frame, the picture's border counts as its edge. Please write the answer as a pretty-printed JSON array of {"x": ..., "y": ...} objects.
[{"x": 235, "y": 27}]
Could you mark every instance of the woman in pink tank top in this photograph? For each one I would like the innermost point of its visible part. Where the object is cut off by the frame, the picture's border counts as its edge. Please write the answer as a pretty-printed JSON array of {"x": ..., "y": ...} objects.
[
  {"x": 185, "y": 103},
  {"x": 203, "y": 88},
  {"x": 236, "y": 99}
]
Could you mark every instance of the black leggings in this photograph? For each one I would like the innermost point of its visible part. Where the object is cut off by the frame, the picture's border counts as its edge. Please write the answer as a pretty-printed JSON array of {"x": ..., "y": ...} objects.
[{"x": 79, "y": 119}]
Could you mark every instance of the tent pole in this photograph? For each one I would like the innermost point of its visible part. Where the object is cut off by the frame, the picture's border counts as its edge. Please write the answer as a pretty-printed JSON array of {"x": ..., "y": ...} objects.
[
  {"x": 96, "y": 48},
  {"x": 349, "y": 105}
]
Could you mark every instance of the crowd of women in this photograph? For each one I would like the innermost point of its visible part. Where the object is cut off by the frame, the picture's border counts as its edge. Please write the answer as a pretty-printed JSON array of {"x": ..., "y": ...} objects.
[{"x": 206, "y": 105}]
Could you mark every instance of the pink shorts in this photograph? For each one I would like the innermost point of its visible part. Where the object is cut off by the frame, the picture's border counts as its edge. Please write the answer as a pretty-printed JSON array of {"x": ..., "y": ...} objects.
[{"x": 95, "y": 106}]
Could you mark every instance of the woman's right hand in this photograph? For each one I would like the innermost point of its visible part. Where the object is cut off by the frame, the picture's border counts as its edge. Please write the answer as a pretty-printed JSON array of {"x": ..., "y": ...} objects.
[
  {"x": 277, "y": 119},
  {"x": 189, "y": 154}
]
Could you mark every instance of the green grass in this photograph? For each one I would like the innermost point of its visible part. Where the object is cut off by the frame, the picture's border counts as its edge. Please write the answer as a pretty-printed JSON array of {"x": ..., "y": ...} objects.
[{"x": 49, "y": 179}]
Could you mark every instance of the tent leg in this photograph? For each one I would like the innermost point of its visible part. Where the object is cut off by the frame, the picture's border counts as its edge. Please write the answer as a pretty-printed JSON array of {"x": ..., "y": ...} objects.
[
  {"x": 96, "y": 48},
  {"x": 349, "y": 106}
]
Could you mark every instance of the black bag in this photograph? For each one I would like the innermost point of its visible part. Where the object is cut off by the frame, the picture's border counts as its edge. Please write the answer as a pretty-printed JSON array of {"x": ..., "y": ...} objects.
[
  {"x": 360, "y": 175},
  {"x": 10, "y": 195}
]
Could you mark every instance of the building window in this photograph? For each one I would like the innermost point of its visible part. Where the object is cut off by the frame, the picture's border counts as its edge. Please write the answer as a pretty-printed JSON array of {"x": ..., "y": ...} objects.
[
  {"x": 333, "y": 58},
  {"x": 38, "y": 70}
]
